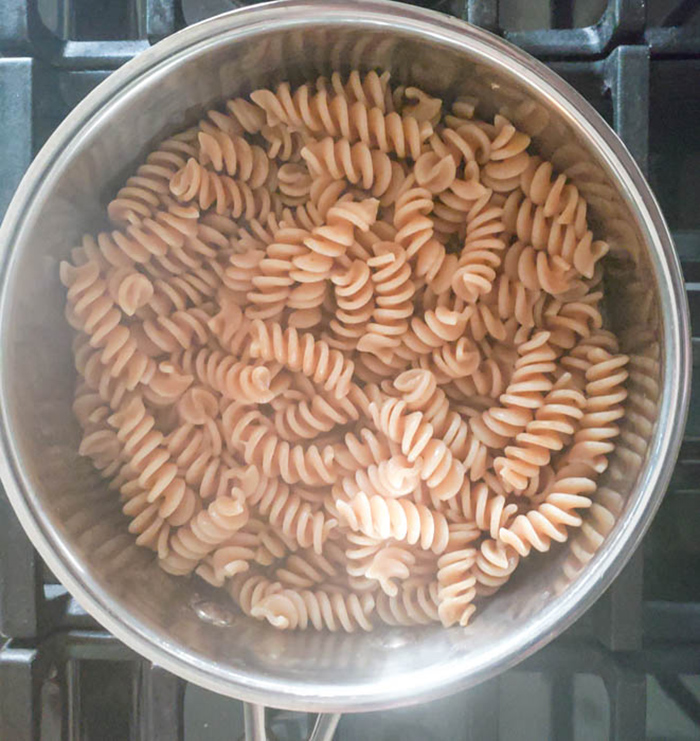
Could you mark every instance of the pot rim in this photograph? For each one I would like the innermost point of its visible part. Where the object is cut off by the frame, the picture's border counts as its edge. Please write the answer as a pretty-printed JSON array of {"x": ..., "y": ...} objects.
[{"x": 597, "y": 576}]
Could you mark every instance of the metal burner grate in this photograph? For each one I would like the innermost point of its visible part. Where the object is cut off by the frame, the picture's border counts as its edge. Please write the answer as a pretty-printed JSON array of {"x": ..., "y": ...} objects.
[{"x": 632, "y": 662}]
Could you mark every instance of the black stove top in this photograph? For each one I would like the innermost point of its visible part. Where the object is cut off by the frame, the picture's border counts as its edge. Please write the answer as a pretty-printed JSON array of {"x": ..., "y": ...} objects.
[{"x": 628, "y": 669}]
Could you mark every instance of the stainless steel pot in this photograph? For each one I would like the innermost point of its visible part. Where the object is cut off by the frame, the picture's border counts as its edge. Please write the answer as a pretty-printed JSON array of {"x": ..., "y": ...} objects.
[{"x": 75, "y": 522}]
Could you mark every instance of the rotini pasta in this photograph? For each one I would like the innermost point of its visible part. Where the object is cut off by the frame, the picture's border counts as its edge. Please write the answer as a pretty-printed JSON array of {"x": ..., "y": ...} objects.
[
  {"x": 393, "y": 290},
  {"x": 307, "y": 419},
  {"x": 302, "y": 353},
  {"x": 476, "y": 270},
  {"x": 442, "y": 473},
  {"x": 342, "y": 354},
  {"x": 554, "y": 421},
  {"x": 147, "y": 190},
  {"x": 414, "y": 604},
  {"x": 416, "y": 233},
  {"x": 233, "y": 154},
  {"x": 231, "y": 378},
  {"x": 190, "y": 543},
  {"x": 370, "y": 169},
  {"x": 456, "y": 586},
  {"x": 289, "y": 609},
  {"x": 395, "y": 518},
  {"x": 229, "y": 197},
  {"x": 325, "y": 113}
]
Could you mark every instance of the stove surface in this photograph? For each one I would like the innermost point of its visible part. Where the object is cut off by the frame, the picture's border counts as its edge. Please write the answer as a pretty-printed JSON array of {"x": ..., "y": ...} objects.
[{"x": 629, "y": 669}]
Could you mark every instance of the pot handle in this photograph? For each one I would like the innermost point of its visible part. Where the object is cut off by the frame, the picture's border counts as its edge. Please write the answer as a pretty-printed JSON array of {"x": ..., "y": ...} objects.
[{"x": 254, "y": 720}]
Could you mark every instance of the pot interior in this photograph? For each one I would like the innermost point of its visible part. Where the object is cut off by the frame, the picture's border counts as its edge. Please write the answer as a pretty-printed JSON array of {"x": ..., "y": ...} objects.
[{"x": 79, "y": 518}]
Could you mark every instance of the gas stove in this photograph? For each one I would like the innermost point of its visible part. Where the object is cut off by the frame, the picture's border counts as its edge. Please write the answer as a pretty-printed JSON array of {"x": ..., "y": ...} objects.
[{"x": 629, "y": 669}]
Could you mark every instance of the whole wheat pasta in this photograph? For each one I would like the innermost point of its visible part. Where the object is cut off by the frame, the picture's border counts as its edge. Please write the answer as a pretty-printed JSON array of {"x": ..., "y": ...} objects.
[{"x": 341, "y": 353}]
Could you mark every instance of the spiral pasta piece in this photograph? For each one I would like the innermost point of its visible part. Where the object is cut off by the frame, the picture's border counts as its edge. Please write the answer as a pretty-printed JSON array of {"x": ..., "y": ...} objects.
[
  {"x": 335, "y": 115},
  {"x": 391, "y": 478},
  {"x": 453, "y": 205},
  {"x": 324, "y": 193},
  {"x": 130, "y": 289},
  {"x": 456, "y": 587},
  {"x": 487, "y": 383},
  {"x": 293, "y": 184},
  {"x": 180, "y": 292},
  {"x": 242, "y": 268},
  {"x": 600, "y": 520},
  {"x": 533, "y": 225},
  {"x": 494, "y": 565},
  {"x": 91, "y": 309},
  {"x": 371, "y": 169},
  {"x": 151, "y": 530},
  {"x": 326, "y": 244},
  {"x": 393, "y": 291},
  {"x": 577, "y": 360},
  {"x": 233, "y": 379},
  {"x": 372, "y": 89},
  {"x": 149, "y": 459},
  {"x": 400, "y": 519},
  {"x": 435, "y": 328},
  {"x": 292, "y": 516},
  {"x": 549, "y": 521},
  {"x": 197, "y": 454},
  {"x": 530, "y": 381},
  {"x": 247, "y": 590},
  {"x": 554, "y": 422},
  {"x": 435, "y": 173},
  {"x": 99, "y": 442},
  {"x": 272, "y": 281},
  {"x": 169, "y": 241},
  {"x": 146, "y": 191},
  {"x": 414, "y": 604},
  {"x": 354, "y": 297},
  {"x": 452, "y": 360},
  {"x": 442, "y": 473},
  {"x": 233, "y": 154},
  {"x": 307, "y": 419},
  {"x": 466, "y": 141},
  {"x": 293, "y": 463},
  {"x": 388, "y": 564},
  {"x": 476, "y": 269},
  {"x": 238, "y": 199},
  {"x": 532, "y": 375},
  {"x": 360, "y": 451},
  {"x": 559, "y": 219},
  {"x": 241, "y": 117},
  {"x": 289, "y": 609},
  {"x": 511, "y": 298},
  {"x": 508, "y": 157},
  {"x": 605, "y": 393},
  {"x": 190, "y": 543},
  {"x": 98, "y": 377},
  {"x": 415, "y": 233},
  {"x": 359, "y": 549},
  {"x": 302, "y": 353},
  {"x": 487, "y": 507},
  {"x": 537, "y": 270},
  {"x": 305, "y": 569},
  {"x": 420, "y": 391},
  {"x": 225, "y": 562},
  {"x": 568, "y": 321}
]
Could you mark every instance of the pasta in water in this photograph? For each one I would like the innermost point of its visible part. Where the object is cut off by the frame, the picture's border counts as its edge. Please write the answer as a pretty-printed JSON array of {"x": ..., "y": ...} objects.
[{"x": 341, "y": 354}]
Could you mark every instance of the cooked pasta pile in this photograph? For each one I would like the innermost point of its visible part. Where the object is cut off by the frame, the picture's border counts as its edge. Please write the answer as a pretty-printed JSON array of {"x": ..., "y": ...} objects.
[{"x": 341, "y": 353}]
